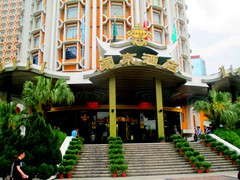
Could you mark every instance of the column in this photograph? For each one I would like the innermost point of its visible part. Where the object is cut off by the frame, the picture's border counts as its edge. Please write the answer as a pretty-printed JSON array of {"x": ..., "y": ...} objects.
[
  {"x": 112, "y": 106},
  {"x": 159, "y": 107}
]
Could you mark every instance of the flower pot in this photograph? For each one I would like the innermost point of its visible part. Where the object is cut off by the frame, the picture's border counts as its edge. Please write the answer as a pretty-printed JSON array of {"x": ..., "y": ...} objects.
[
  {"x": 214, "y": 149},
  {"x": 208, "y": 145},
  {"x": 69, "y": 175},
  {"x": 207, "y": 170},
  {"x": 114, "y": 174},
  {"x": 60, "y": 176},
  {"x": 193, "y": 165},
  {"x": 199, "y": 171},
  {"x": 234, "y": 163},
  {"x": 227, "y": 157},
  {"x": 124, "y": 174},
  {"x": 220, "y": 153}
]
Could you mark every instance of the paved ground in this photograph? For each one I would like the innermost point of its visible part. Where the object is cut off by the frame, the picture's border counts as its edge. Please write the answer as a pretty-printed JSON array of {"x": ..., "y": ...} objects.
[{"x": 229, "y": 175}]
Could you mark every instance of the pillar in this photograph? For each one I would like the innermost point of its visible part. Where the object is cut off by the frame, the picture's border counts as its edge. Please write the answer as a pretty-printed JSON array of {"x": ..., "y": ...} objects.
[
  {"x": 159, "y": 107},
  {"x": 112, "y": 106}
]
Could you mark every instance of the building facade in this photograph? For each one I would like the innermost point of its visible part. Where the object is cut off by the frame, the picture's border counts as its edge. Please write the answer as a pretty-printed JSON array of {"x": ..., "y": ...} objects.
[
  {"x": 198, "y": 66},
  {"x": 127, "y": 62}
]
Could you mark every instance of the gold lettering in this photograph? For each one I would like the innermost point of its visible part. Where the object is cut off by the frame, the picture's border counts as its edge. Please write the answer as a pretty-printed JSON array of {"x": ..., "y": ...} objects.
[
  {"x": 28, "y": 65},
  {"x": 127, "y": 59},
  {"x": 1, "y": 66},
  {"x": 171, "y": 65},
  {"x": 238, "y": 71},
  {"x": 231, "y": 70},
  {"x": 150, "y": 59},
  {"x": 223, "y": 71},
  {"x": 14, "y": 62},
  {"x": 42, "y": 67},
  {"x": 107, "y": 63}
]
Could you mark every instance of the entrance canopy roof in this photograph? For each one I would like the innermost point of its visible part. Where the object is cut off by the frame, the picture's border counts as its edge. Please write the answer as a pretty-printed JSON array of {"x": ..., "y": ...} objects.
[{"x": 138, "y": 76}]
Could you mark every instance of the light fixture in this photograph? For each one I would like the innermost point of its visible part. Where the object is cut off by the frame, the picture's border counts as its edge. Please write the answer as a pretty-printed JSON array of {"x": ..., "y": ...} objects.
[
  {"x": 160, "y": 110},
  {"x": 112, "y": 110}
]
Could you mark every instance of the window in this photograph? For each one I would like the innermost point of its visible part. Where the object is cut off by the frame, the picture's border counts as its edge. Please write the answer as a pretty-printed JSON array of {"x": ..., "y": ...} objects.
[
  {"x": 10, "y": 32},
  {"x": 4, "y": 19},
  {"x": 12, "y": 18},
  {"x": 38, "y": 22},
  {"x": 35, "y": 59},
  {"x": 71, "y": 52},
  {"x": 8, "y": 54},
  {"x": 1, "y": 47},
  {"x": 9, "y": 46},
  {"x": 36, "y": 41},
  {"x": 3, "y": 26},
  {"x": 9, "y": 39},
  {"x": 7, "y": 61},
  {"x": 5, "y": 7},
  {"x": 157, "y": 2},
  {"x": 1, "y": 39},
  {"x": 120, "y": 29},
  {"x": 71, "y": 32},
  {"x": 12, "y": 12},
  {"x": 13, "y": 6},
  {"x": 1, "y": 54},
  {"x": 5, "y": 13},
  {"x": 72, "y": 12},
  {"x": 116, "y": 9},
  {"x": 158, "y": 36},
  {"x": 2, "y": 33},
  {"x": 156, "y": 18},
  {"x": 11, "y": 25},
  {"x": 39, "y": 4}
]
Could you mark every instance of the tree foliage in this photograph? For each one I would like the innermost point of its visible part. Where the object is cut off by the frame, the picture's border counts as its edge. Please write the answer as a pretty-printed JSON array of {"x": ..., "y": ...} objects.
[
  {"x": 44, "y": 93},
  {"x": 219, "y": 109}
]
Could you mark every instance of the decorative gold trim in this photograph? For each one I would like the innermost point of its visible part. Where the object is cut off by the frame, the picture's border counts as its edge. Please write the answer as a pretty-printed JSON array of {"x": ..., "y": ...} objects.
[{"x": 139, "y": 35}]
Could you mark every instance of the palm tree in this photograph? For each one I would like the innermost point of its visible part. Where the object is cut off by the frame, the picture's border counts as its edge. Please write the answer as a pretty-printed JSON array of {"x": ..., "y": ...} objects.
[
  {"x": 45, "y": 93},
  {"x": 219, "y": 109}
]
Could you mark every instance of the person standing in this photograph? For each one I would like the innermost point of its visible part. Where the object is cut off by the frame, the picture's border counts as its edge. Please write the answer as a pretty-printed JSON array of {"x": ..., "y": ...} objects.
[
  {"x": 18, "y": 174},
  {"x": 74, "y": 133},
  {"x": 199, "y": 132}
]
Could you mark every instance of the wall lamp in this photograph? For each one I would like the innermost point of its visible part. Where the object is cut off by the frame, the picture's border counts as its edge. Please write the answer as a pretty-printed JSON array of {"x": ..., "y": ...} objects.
[
  {"x": 112, "y": 110},
  {"x": 160, "y": 110}
]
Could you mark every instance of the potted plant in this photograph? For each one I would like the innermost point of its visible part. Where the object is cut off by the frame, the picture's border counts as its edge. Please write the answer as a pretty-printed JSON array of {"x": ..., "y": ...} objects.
[
  {"x": 114, "y": 169},
  {"x": 213, "y": 145},
  {"x": 198, "y": 165},
  {"x": 61, "y": 171},
  {"x": 161, "y": 139},
  {"x": 68, "y": 169},
  {"x": 234, "y": 158},
  {"x": 219, "y": 149},
  {"x": 193, "y": 160},
  {"x": 227, "y": 153},
  {"x": 123, "y": 168},
  {"x": 206, "y": 166}
]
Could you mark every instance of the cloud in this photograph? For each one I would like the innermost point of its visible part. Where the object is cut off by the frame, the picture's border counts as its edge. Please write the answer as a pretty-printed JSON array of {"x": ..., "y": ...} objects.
[
  {"x": 214, "y": 26},
  {"x": 214, "y": 15}
]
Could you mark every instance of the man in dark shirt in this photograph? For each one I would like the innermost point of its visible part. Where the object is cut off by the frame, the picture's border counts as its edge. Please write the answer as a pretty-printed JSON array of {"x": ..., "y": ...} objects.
[{"x": 18, "y": 174}]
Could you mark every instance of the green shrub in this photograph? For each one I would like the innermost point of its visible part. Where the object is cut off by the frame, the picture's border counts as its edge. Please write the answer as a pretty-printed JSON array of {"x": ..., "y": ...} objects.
[
  {"x": 229, "y": 136},
  {"x": 123, "y": 167},
  {"x": 196, "y": 153},
  {"x": 198, "y": 164},
  {"x": 44, "y": 171},
  {"x": 200, "y": 158},
  {"x": 234, "y": 157},
  {"x": 61, "y": 169},
  {"x": 206, "y": 165}
]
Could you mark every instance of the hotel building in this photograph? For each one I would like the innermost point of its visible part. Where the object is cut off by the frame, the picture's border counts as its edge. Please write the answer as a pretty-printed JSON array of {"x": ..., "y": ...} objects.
[{"x": 127, "y": 61}]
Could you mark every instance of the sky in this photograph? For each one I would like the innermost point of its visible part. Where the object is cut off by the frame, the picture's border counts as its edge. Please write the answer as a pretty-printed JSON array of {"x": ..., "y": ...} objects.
[{"x": 214, "y": 27}]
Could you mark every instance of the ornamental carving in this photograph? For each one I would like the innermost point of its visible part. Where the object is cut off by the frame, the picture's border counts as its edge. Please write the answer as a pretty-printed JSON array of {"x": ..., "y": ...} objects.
[{"x": 139, "y": 35}]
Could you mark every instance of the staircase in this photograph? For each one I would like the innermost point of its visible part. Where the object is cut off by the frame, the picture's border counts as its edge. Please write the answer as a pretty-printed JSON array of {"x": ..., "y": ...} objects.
[
  {"x": 219, "y": 163},
  {"x": 155, "y": 159},
  {"x": 93, "y": 162}
]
